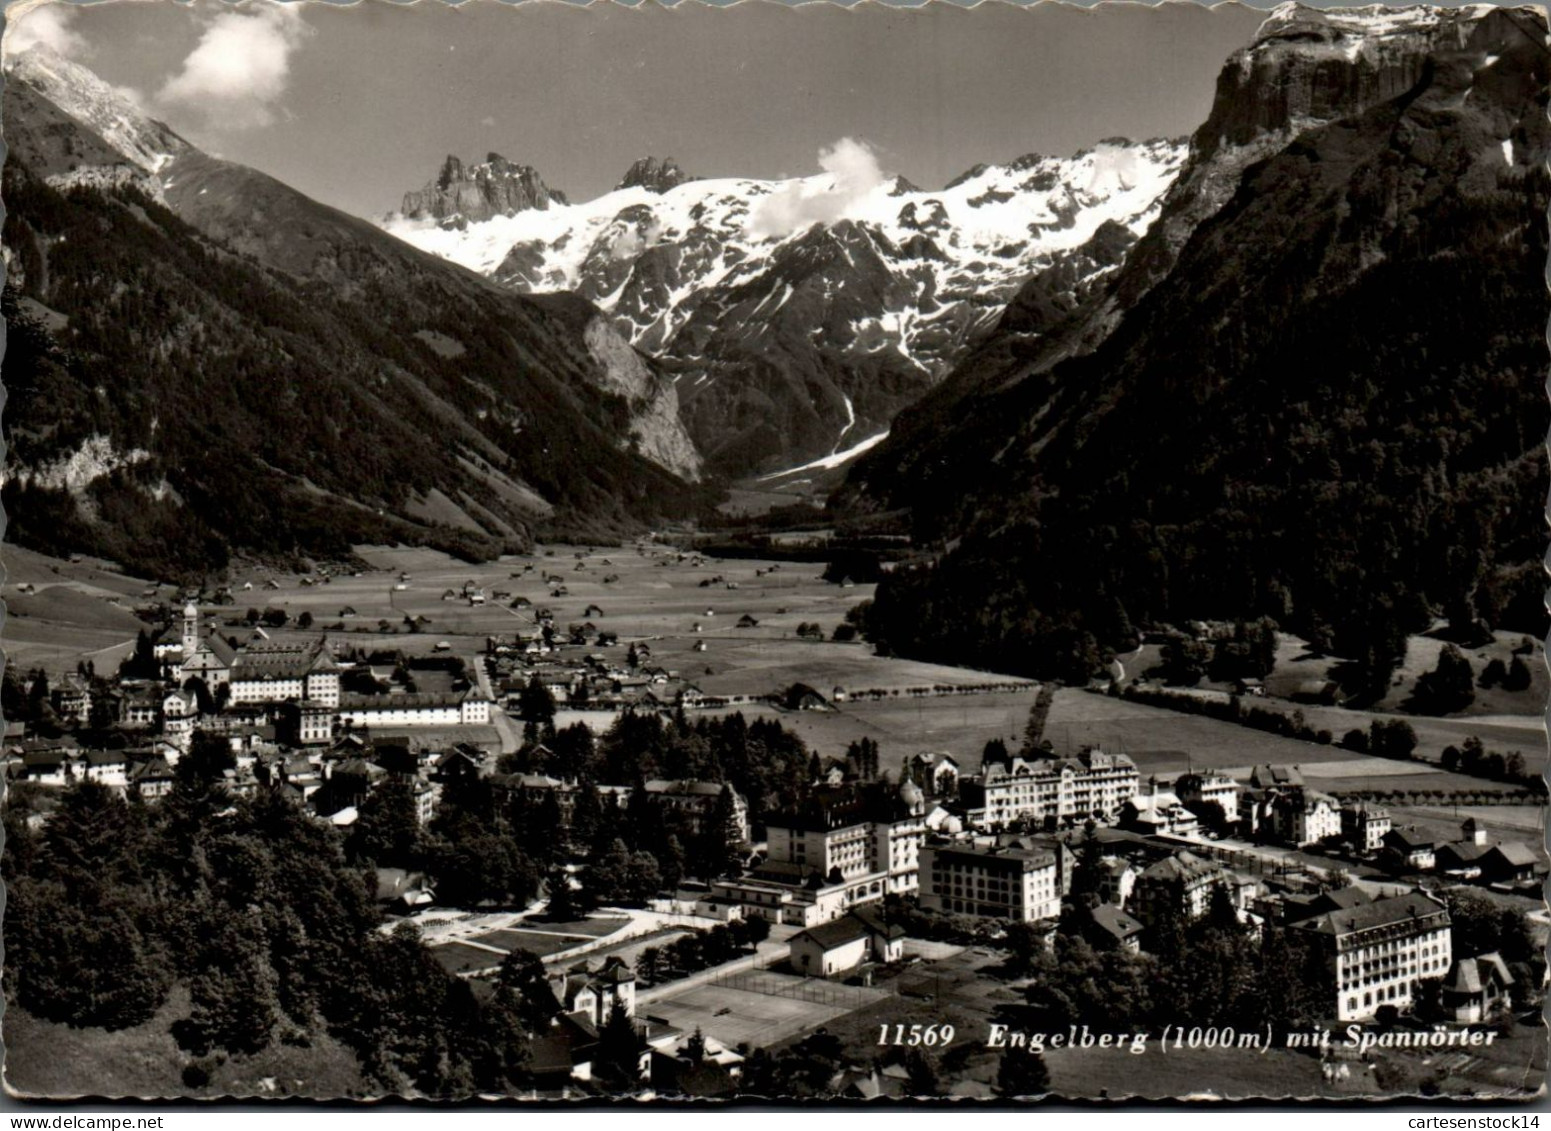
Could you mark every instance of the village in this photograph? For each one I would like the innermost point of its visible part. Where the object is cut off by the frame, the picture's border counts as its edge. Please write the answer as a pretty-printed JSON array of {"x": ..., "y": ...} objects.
[{"x": 794, "y": 907}]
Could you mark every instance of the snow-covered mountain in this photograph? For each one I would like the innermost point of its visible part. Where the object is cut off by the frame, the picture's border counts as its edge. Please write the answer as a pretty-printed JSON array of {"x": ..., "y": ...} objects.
[{"x": 800, "y": 315}]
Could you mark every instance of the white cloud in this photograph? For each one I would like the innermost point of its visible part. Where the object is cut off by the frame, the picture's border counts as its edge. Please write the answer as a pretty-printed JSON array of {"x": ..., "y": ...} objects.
[
  {"x": 238, "y": 71},
  {"x": 854, "y": 174},
  {"x": 48, "y": 24}
]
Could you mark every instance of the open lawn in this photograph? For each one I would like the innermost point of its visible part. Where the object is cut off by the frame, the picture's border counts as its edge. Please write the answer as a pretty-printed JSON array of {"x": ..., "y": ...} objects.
[
  {"x": 79, "y": 609},
  {"x": 1219, "y": 1073},
  {"x": 460, "y": 958},
  {"x": 540, "y": 943},
  {"x": 958, "y": 724},
  {"x": 1524, "y": 823},
  {"x": 594, "y": 928}
]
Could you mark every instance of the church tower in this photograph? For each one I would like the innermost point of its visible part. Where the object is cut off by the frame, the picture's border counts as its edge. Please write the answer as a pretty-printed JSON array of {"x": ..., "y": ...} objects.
[{"x": 190, "y": 631}]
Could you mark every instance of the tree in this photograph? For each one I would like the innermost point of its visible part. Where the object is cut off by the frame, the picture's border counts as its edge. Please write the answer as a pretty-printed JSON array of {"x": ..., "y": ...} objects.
[
  {"x": 234, "y": 999},
  {"x": 563, "y": 906},
  {"x": 1518, "y": 675},
  {"x": 1449, "y": 687},
  {"x": 305, "y": 620},
  {"x": 920, "y": 1074},
  {"x": 536, "y": 704},
  {"x": 617, "y": 1061},
  {"x": 1089, "y": 874},
  {"x": 387, "y": 833},
  {"x": 1039, "y": 714},
  {"x": 1021, "y": 1073},
  {"x": 1392, "y": 738},
  {"x": 522, "y": 974},
  {"x": 1185, "y": 660}
]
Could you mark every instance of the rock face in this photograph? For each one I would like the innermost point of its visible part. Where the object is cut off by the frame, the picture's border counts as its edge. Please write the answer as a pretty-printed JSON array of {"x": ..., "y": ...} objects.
[
  {"x": 799, "y": 316},
  {"x": 654, "y": 175},
  {"x": 1309, "y": 379},
  {"x": 462, "y": 195},
  {"x": 656, "y": 430}
]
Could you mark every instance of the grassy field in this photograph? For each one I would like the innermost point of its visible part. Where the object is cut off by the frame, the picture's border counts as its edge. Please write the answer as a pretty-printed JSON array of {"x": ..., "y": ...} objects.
[
  {"x": 47, "y": 1059},
  {"x": 460, "y": 958},
  {"x": 78, "y": 609},
  {"x": 1503, "y": 822}
]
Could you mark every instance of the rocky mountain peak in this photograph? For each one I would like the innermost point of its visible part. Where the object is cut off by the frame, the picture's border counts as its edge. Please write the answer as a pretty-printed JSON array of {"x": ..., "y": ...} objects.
[
  {"x": 654, "y": 175},
  {"x": 105, "y": 109},
  {"x": 470, "y": 194}
]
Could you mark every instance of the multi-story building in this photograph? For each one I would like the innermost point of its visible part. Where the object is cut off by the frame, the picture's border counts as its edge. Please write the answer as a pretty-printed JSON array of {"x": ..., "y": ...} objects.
[
  {"x": 410, "y": 709},
  {"x": 1295, "y": 815},
  {"x": 1184, "y": 879},
  {"x": 1093, "y": 785},
  {"x": 695, "y": 802},
  {"x": 265, "y": 672},
  {"x": 72, "y": 700},
  {"x": 1201, "y": 789},
  {"x": 1377, "y": 951},
  {"x": 1365, "y": 827},
  {"x": 1002, "y": 882},
  {"x": 854, "y": 833}
]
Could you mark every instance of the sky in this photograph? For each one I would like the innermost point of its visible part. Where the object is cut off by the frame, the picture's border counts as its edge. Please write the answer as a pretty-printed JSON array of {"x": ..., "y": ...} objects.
[{"x": 356, "y": 105}]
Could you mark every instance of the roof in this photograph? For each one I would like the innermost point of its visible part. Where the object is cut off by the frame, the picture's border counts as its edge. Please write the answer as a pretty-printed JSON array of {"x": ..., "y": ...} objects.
[
  {"x": 699, "y": 788},
  {"x": 1107, "y": 917},
  {"x": 848, "y": 929},
  {"x": 1464, "y": 851},
  {"x": 1516, "y": 853},
  {"x": 402, "y": 701},
  {"x": 1380, "y": 913},
  {"x": 1264, "y": 777},
  {"x": 1408, "y": 837},
  {"x": 1472, "y": 975},
  {"x": 1181, "y": 866}
]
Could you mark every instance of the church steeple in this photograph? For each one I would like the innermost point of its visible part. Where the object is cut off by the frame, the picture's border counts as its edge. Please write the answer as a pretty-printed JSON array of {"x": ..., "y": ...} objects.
[{"x": 190, "y": 630}]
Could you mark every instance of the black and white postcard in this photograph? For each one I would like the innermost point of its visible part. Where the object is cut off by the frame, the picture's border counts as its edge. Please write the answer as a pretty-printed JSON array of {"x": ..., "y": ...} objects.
[{"x": 775, "y": 552}]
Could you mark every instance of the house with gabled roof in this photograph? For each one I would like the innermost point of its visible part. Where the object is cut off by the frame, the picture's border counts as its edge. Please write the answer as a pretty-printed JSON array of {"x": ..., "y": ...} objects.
[
  {"x": 845, "y": 943},
  {"x": 1476, "y": 988}
]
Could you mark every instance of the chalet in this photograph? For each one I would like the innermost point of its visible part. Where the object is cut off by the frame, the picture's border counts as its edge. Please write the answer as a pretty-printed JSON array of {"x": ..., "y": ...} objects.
[
  {"x": 593, "y": 995},
  {"x": 404, "y": 891},
  {"x": 844, "y": 944},
  {"x": 696, "y": 1064},
  {"x": 140, "y": 710},
  {"x": 1476, "y": 988},
  {"x": 151, "y": 778},
  {"x": 1110, "y": 928},
  {"x": 72, "y": 701},
  {"x": 1511, "y": 862},
  {"x": 745, "y": 621},
  {"x": 1409, "y": 849},
  {"x": 48, "y": 767},
  {"x": 801, "y": 697},
  {"x": 106, "y": 767}
]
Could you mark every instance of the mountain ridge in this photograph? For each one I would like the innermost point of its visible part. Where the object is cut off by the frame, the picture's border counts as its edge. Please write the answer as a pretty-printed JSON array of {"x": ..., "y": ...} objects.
[
  {"x": 699, "y": 272},
  {"x": 1309, "y": 370}
]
